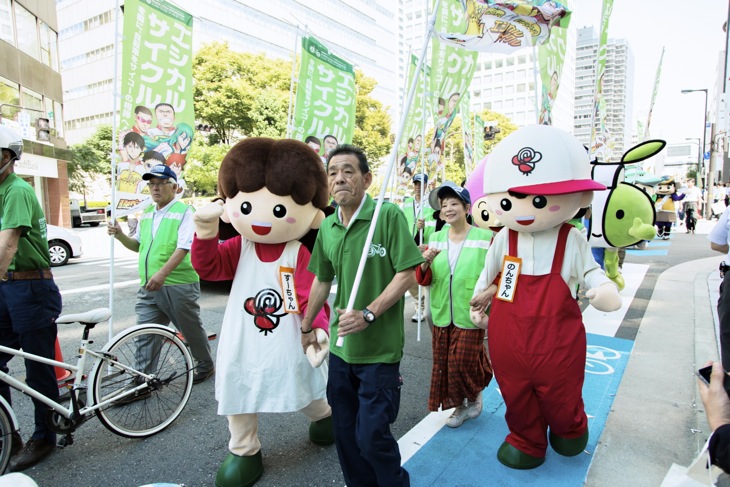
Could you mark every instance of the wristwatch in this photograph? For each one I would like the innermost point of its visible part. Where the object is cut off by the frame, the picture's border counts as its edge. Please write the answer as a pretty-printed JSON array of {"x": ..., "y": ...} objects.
[{"x": 368, "y": 315}]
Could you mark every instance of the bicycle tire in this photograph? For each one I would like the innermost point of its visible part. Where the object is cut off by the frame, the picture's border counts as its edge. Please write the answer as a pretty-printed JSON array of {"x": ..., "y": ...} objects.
[
  {"x": 6, "y": 438},
  {"x": 165, "y": 397}
]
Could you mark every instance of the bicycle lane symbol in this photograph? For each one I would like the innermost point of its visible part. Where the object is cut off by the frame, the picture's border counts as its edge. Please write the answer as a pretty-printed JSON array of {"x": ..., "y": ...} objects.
[{"x": 597, "y": 359}]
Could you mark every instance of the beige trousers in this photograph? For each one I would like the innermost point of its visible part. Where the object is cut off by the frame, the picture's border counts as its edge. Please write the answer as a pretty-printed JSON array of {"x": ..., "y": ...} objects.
[{"x": 244, "y": 428}]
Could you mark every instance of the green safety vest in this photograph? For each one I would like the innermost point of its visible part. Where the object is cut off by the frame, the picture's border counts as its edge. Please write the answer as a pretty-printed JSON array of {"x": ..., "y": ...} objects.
[
  {"x": 429, "y": 223},
  {"x": 450, "y": 294},
  {"x": 155, "y": 252}
]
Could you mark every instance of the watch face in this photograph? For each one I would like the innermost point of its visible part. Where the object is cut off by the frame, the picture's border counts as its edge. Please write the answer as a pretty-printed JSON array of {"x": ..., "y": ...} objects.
[{"x": 368, "y": 316}]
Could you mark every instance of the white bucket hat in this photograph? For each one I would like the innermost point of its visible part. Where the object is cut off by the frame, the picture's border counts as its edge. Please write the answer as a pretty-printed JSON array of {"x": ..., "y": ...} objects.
[{"x": 539, "y": 159}]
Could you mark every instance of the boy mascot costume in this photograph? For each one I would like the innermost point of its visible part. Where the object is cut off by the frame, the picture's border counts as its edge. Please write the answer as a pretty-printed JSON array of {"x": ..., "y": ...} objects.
[
  {"x": 666, "y": 210},
  {"x": 536, "y": 179},
  {"x": 276, "y": 191}
]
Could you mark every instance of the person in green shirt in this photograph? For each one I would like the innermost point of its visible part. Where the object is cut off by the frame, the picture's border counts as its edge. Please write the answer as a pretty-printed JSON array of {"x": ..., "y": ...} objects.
[
  {"x": 30, "y": 301},
  {"x": 364, "y": 379},
  {"x": 421, "y": 223}
]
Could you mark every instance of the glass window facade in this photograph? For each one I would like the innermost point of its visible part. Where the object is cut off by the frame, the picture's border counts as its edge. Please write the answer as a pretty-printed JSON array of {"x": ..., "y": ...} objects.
[
  {"x": 27, "y": 28},
  {"x": 7, "y": 32}
]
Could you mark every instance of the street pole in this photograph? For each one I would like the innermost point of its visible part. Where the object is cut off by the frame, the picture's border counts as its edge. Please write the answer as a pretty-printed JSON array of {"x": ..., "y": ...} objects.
[{"x": 710, "y": 177}]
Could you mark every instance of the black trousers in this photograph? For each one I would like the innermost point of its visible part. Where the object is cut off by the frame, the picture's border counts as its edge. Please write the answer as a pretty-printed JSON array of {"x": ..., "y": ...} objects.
[{"x": 723, "y": 312}]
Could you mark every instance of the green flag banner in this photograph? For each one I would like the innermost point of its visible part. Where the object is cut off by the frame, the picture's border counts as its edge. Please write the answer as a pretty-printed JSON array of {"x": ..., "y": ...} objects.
[
  {"x": 412, "y": 141},
  {"x": 325, "y": 103},
  {"x": 551, "y": 57},
  {"x": 478, "y": 138},
  {"x": 601, "y": 143},
  {"x": 157, "y": 113},
  {"x": 452, "y": 69},
  {"x": 467, "y": 132}
]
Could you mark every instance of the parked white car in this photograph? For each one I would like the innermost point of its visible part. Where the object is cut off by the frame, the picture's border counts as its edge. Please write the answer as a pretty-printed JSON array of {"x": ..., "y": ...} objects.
[{"x": 62, "y": 244}]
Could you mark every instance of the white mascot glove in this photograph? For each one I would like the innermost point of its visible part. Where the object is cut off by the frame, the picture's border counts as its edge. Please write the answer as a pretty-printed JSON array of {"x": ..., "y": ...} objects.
[
  {"x": 604, "y": 297},
  {"x": 206, "y": 220},
  {"x": 316, "y": 358}
]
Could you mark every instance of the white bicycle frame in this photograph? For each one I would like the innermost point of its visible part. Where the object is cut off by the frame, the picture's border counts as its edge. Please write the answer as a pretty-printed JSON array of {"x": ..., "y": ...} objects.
[
  {"x": 11, "y": 414},
  {"x": 78, "y": 371}
]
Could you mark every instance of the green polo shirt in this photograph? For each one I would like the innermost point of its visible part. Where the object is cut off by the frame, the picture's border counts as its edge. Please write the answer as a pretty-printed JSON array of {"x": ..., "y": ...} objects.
[
  {"x": 337, "y": 253},
  {"x": 19, "y": 208}
]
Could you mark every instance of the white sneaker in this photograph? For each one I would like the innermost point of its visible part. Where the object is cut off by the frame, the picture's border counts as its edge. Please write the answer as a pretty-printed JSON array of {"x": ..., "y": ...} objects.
[
  {"x": 458, "y": 417},
  {"x": 474, "y": 408},
  {"x": 416, "y": 318}
]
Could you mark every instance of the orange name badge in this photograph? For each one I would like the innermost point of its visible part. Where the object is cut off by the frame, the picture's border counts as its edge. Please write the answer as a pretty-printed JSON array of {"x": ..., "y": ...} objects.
[
  {"x": 511, "y": 267},
  {"x": 288, "y": 290}
]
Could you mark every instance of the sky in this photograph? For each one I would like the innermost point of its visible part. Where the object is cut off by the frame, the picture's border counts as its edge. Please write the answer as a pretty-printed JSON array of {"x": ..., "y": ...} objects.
[{"x": 691, "y": 31}]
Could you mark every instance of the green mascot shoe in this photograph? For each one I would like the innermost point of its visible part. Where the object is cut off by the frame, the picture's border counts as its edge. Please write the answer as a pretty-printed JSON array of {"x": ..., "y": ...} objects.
[
  {"x": 511, "y": 457},
  {"x": 322, "y": 432},
  {"x": 237, "y": 471},
  {"x": 569, "y": 447}
]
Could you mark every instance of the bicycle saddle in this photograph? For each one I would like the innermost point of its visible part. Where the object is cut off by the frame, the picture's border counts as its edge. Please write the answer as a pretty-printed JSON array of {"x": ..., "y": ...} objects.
[{"x": 97, "y": 315}]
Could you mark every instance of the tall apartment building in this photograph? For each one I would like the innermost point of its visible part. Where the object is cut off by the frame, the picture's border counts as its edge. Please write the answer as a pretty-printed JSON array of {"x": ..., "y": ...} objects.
[
  {"x": 362, "y": 33},
  {"x": 618, "y": 88},
  {"x": 501, "y": 83},
  {"x": 30, "y": 89}
]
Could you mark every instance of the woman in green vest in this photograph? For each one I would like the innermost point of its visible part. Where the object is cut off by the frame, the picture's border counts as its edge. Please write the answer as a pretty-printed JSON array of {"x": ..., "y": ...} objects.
[{"x": 453, "y": 261}]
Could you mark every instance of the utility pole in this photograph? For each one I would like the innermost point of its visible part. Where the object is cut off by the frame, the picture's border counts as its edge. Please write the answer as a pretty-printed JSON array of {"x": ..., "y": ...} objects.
[{"x": 710, "y": 175}]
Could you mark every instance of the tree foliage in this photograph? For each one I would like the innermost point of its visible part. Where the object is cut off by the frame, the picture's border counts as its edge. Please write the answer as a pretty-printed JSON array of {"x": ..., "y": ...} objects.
[
  {"x": 90, "y": 159},
  {"x": 240, "y": 94},
  {"x": 203, "y": 163},
  {"x": 372, "y": 122}
]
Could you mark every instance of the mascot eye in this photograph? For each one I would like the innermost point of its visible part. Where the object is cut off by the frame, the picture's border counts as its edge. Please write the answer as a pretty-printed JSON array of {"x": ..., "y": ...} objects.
[
  {"x": 505, "y": 204},
  {"x": 485, "y": 215},
  {"x": 539, "y": 202},
  {"x": 619, "y": 214},
  {"x": 279, "y": 211},
  {"x": 246, "y": 208}
]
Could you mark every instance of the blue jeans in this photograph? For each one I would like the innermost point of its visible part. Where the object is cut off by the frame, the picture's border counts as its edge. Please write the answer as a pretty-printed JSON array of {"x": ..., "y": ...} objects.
[
  {"x": 365, "y": 399},
  {"x": 28, "y": 312}
]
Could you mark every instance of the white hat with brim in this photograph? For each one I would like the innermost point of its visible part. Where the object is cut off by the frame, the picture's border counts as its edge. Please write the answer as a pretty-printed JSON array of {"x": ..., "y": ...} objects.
[{"x": 539, "y": 159}]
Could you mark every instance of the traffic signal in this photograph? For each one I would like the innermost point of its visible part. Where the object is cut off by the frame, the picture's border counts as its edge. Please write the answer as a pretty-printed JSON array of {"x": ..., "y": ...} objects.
[{"x": 42, "y": 130}]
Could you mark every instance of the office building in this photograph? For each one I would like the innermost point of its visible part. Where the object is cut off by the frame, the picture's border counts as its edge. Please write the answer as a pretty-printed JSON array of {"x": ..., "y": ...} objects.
[
  {"x": 362, "y": 33},
  {"x": 618, "y": 89},
  {"x": 31, "y": 100}
]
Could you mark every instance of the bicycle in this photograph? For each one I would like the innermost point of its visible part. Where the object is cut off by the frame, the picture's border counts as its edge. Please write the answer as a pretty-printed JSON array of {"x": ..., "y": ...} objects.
[{"x": 129, "y": 402}]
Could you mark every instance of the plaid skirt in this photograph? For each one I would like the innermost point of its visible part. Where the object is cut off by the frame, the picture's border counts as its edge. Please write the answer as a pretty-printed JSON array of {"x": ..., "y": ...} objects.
[{"x": 461, "y": 368}]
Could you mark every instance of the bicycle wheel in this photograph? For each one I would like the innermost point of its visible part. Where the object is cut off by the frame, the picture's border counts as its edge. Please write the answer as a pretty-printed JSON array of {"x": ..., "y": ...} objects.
[
  {"x": 6, "y": 437},
  {"x": 153, "y": 350}
]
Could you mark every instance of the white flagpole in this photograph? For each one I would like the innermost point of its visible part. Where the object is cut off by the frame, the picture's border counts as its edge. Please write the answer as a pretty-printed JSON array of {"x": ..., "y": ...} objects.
[
  {"x": 393, "y": 157},
  {"x": 422, "y": 154},
  {"x": 290, "y": 114},
  {"x": 114, "y": 166}
]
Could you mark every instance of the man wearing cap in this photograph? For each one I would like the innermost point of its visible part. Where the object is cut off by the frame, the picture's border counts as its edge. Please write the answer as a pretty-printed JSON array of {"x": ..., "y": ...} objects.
[
  {"x": 419, "y": 217},
  {"x": 170, "y": 287},
  {"x": 29, "y": 299},
  {"x": 535, "y": 180}
]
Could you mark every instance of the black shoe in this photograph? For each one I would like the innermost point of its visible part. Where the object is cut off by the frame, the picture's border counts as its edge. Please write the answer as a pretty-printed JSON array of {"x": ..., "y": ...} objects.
[
  {"x": 33, "y": 452},
  {"x": 199, "y": 377}
]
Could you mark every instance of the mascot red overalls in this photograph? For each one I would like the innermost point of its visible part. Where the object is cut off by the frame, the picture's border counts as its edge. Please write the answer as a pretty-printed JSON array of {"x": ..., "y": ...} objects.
[
  {"x": 275, "y": 192},
  {"x": 535, "y": 180}
]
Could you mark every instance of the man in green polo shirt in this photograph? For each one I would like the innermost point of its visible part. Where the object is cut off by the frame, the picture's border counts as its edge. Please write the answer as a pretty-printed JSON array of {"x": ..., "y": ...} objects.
[
  {"x": 29, "y": 299},
  {"x": 170, "y": 287},
  {"x": 364, "y": 378}
]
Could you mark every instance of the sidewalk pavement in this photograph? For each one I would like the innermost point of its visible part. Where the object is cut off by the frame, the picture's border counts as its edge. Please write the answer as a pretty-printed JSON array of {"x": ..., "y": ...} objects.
[{"x": 657, "y": 416}]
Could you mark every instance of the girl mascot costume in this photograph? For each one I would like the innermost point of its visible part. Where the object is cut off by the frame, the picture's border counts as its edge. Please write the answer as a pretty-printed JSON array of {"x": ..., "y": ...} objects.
[
  {"x": 276, "y": 191},
  {"x": 535, "y": 180}
]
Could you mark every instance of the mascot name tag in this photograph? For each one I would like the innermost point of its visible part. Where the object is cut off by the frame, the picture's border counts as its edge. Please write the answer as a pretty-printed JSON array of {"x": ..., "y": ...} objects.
[
  {"x": 286, "y": 276},
  {"x": 511, "y": 267}
]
